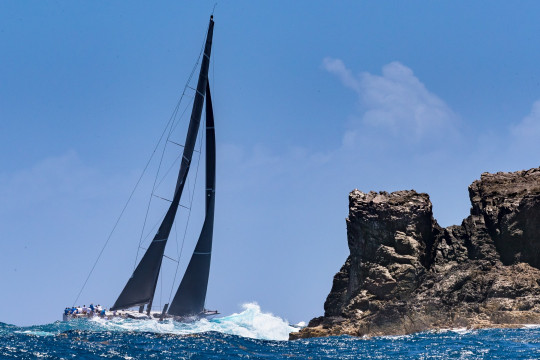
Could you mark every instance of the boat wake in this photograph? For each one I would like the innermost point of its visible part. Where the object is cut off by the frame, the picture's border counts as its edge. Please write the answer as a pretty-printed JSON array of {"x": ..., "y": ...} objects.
[{"x": 251, "y": 322}]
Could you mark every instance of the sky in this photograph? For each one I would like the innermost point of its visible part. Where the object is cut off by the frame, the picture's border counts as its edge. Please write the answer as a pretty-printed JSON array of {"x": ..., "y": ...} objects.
[{"x": 311, "y": 101}]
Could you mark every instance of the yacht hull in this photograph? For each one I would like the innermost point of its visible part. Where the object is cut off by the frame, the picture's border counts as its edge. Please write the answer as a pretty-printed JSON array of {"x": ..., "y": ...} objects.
[{"x": 154, "y": 315}]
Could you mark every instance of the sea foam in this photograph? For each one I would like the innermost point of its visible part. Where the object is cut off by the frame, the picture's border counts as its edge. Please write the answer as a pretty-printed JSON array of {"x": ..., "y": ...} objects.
[
  {"x": 136, "y": 339},
  {"x": 251, "y": 322}
]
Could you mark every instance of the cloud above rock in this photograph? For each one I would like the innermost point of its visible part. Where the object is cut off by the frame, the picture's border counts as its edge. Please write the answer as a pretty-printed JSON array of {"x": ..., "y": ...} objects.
[
  {"x": 526, "y": 133},
  {"x": 396, "y": 102}
]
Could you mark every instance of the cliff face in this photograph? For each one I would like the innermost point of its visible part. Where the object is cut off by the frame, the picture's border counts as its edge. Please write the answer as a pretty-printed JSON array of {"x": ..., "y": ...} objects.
[{"x": 406, "y": 274}]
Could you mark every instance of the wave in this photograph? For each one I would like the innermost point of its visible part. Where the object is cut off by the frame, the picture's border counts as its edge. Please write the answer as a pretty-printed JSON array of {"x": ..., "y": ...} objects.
[
  {"x": 136, "y": 339},
  {"x": 460, "y": 331},
  {"x": 251, "y": 322}
]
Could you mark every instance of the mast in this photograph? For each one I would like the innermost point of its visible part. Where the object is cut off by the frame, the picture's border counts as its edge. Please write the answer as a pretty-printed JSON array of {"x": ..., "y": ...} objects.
[
  {"x": 191, "y": 294},
  {"x": 141, "y": 286}
]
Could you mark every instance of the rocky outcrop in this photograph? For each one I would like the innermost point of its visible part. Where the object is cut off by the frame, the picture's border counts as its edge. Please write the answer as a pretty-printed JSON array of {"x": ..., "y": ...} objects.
[{"x": 405, "y": 273}]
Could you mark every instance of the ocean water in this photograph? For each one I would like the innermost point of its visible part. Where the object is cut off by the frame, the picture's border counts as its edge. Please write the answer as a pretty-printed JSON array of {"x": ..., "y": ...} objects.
[{"x": 250, "y": 334}]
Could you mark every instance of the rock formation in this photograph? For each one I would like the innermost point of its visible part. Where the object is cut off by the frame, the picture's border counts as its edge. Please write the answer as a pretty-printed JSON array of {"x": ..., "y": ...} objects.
[{"x": 405, "y": 273}]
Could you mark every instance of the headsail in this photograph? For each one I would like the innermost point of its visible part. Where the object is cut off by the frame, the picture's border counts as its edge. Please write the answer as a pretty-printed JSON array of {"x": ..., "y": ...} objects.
[
  {"x": 191, "y": 294},
  {"x": 140, "y": 288}
]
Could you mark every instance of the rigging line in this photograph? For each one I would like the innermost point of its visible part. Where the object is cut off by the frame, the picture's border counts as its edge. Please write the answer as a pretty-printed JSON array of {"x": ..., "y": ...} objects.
[
  {"x": 192, "y": 72},
  {"x": 175, "y": 113},
  {"x": 151, "y": 231},
  {"x": 185, "y": 109},
  {"x": 176, "y": 240},
  {"x": 168, "y": 170},
  {"x": 178, "y": 253},
  {"x": 190, "y": 102},
  {"x": 162, "y": 198},
  {"x": 168, "y": 257},
  {"x": 124, "y": 208},
  {"x": 161, "y": 290},
  {"x": 168, "y": 139},
  {"x": 176, "y": 123},
  {"x": 189, "y": 190},
  {"x": 191, "y": 202},
  {"x": 153, "y": 228},
  {"x": 173, "y": 116},
  {"x": 190, "y": 207},
  {"x": 172, "y": 165},
  {"x": 135, "y": 188},
  {"x": 192, "y": 192},
  {"x": 182, "y": 146},
  {"x": 157, "y": 187},
  {"x": 153, "y": 188}
]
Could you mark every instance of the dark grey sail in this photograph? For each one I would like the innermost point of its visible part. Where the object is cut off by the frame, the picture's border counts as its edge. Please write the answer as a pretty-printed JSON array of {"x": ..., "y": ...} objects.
[
  {"x": 140, "y": 288},
  {"x": 190, "y": 297}
]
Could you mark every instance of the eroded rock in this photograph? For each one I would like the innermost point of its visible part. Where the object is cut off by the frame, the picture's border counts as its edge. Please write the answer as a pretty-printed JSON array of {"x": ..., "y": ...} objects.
[{"x": 406, "y": 274}]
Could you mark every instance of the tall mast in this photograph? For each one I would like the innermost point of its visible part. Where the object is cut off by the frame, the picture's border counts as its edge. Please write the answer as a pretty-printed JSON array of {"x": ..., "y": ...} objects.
[
  {"x": 191, "y": 294},
  {"x": 141, "y": 286}
]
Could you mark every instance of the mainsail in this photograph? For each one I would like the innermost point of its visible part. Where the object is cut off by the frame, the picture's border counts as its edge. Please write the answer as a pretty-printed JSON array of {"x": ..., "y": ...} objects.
[
  {"x": 141, "y": 287},
  {"x": 191, "y": 294}
]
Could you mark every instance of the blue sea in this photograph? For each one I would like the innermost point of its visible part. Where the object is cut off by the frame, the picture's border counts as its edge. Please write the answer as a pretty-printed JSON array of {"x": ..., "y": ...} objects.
[{"x": 250, "y": 334}]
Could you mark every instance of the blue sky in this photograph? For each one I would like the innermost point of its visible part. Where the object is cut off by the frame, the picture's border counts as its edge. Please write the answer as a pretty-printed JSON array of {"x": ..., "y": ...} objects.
[{"x": 311, "y": 100}]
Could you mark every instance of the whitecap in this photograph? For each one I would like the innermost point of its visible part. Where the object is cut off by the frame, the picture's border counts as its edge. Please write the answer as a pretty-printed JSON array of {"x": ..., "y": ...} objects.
[
  {"x": 35, "y": 333},
  {"x": 251, "y": 322}
]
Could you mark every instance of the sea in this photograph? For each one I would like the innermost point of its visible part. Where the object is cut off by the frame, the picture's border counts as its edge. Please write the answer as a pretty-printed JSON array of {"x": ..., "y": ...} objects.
[{"x": 250, "y": 334}]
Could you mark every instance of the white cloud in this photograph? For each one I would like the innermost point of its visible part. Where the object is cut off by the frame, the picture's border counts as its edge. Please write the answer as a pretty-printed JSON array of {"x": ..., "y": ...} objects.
[
  {"x": 527, "y": 132},
  {"x": 49, "y": 180},
  {"x": 338, "y": 68},
  {"x": 55, "y": 216},
  {"x": 397, "y": 102}
]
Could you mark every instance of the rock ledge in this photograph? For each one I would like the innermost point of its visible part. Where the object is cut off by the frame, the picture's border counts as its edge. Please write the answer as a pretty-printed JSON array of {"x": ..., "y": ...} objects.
[{"x": 406, "y": 274}]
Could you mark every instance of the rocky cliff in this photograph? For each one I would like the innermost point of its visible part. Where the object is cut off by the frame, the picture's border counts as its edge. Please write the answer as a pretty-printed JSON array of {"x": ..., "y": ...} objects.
[{"x": 405, "y": 273}]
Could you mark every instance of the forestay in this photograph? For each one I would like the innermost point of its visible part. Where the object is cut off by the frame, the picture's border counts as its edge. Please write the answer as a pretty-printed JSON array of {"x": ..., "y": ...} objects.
[{"x": 141, "y": 286}]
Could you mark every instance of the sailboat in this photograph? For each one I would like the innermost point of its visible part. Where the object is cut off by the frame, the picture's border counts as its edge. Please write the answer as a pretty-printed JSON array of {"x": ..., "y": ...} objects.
[{"x": 189, "y": 300}]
